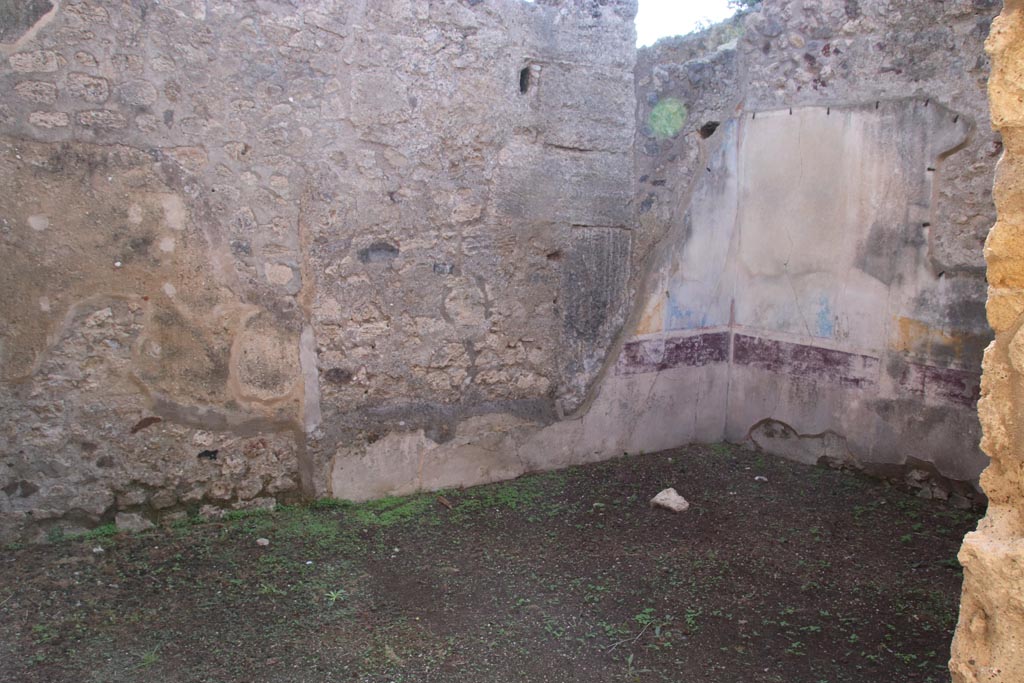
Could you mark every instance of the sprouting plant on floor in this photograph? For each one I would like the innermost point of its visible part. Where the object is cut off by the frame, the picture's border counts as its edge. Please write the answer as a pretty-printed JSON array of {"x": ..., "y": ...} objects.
[
  {"x": 631, "y": 671},
  {"x": 691, "y": 619},
  {"x": 42, "y": 633},
  {"x": 646, "y": 617},
  {"x": 336, "y": 595},
  {"x": 720, "y": 449},
  {"x": 148, "y": 659}
]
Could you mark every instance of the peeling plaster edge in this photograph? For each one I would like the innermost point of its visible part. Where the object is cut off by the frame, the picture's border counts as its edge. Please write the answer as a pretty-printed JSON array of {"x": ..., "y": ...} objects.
[
  {"x": 311, "y": 415},
  {"x": 7, "y": 49}
]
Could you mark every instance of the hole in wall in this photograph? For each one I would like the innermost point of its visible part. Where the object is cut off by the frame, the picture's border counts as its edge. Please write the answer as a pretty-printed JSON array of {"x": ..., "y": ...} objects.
[
  {"x": 708, "y": 129},
  {"x": 208, "y": 455},
  {"x": 378, "y": 252},
  {"x": 338, "y": 376},
  {"x": 524, "y": 80},
  {"x": 440, "y": 433},
  {"x": 555, "y": 255}
]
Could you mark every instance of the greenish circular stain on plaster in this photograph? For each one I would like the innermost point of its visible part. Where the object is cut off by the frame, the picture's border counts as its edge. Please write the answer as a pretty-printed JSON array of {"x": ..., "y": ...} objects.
[{"x": 667, "y": 118}]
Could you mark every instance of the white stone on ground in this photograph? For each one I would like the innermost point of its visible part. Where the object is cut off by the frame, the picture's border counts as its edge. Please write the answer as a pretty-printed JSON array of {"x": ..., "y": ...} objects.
[{"x": 670, "y": 500}]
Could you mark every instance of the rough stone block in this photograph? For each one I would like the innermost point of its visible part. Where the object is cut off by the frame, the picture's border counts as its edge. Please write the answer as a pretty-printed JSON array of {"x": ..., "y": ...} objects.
[
  {"x": 987, "y": 646},
  {"x": 49, "y": 119},
  {"x": 92, "y": 89},
  {"x": 101, "y": 119},
  {"x": 132, "y": 522},
  {"x": 39, "y": 92},
  {"x": 43, "y": 61}
]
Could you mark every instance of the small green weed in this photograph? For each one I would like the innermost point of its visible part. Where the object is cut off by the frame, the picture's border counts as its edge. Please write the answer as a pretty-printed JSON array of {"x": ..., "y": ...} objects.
[
  {"x": 691, "y": 619},
  {"x": 329, "y": 504},
  {"x": 148, "y": 659},
  {"x": 646, "y": 617},
  {"x": 234, "y": 515},
  {"x": 41, "y": 633},
  {"x": 387, "y": 512},
  {"x": 103, "y": 531},
  {"x": 631, "y": 671}
]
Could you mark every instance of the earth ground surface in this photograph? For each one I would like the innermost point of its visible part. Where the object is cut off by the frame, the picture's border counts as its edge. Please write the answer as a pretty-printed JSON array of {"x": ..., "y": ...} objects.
[{"x": 778, "y": 573}]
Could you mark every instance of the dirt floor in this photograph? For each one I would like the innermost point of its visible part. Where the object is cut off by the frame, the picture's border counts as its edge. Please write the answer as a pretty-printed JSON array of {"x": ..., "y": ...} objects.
[{"x": 811, "y": 576}]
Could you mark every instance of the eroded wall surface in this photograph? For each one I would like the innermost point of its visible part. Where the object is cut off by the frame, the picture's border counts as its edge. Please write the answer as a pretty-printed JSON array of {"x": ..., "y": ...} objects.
[
  {"x": 988, "y": 642},
  {"x": 818, "y": 221},
  {"x": 244, "y": 242},
  {"x": 259, "y": 251},
  {"x": 813, "y": 190}
]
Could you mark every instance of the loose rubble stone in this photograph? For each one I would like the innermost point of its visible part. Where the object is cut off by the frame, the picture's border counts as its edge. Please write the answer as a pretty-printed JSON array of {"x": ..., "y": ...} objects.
[
  {"x": 171, "y": 518},
  {"x": 132, "y": 522},
  {"x": 264, "y": 503},
  {"x": 670, "y": 500},
  {"x": 212, "y": 512}
]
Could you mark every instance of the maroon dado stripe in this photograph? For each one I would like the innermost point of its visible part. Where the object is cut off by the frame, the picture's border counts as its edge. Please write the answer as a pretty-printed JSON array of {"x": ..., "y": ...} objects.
[
  {"x": 655, "y": 355},
  {"x": 941, "y": 384},
  {"x": 931, "y": 383},
  {"x": 840, "y": 367},
  {"x": 928, "y": 382}
]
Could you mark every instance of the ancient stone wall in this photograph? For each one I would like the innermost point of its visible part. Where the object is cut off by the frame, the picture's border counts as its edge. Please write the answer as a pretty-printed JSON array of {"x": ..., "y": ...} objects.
[
  {"x": 819, "y": 219},
  {"x": 243, "y": 242},
  {"x": 987, "y": 646},
  {"x": 259, "y": 251}
]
